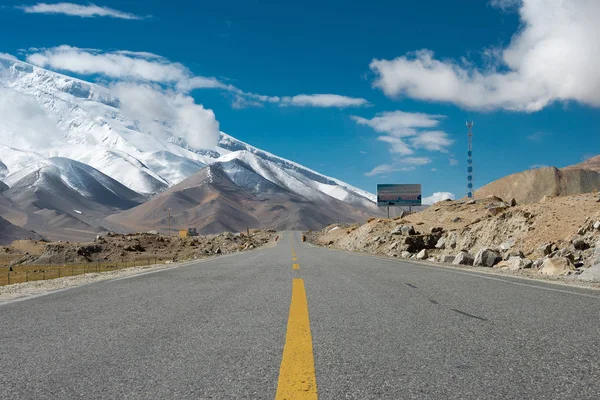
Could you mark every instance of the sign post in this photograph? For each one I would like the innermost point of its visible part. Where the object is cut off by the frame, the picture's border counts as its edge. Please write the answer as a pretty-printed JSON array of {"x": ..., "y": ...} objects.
[{"x": 401, "y": 195}]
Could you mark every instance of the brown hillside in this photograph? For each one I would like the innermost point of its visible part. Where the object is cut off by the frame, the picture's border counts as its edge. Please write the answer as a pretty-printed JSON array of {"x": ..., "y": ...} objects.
[{"x": 532, "y": 185}]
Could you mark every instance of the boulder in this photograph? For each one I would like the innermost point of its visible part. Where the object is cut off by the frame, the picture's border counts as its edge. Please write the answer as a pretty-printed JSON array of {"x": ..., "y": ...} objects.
[
  {"x": 580, "y": 244},
  {"x": 471, "y": 202},
  {"x": 537, "y": 264},
  {"x": 407, "y": 230},
  {"x": 513, "y": 202},
  {"x": 513, "y": 253},
  {"x": 422, "y": 255},
  {"x": 591, "y": 274},
  {"x": 512, "y": 264},
  {"x": 405, "y": 254},
  {"x": 447, "y": 259},
  {"x": 557, "y": 266},
  {"x": 441, "y": 243},
  {"x": 416, "y": 243},
  {"x": 596, "y": 225},
  {"x": 393, "y": 246},
  {"x": 397, "y": 231},
  {"x": 495, "y": 210},
  {"x": 565, "y": 253},
  {"x": 508, "y": 244},
  {"x": 437, "y": 229},
  {"x": 456, "y": 219},
  {"x": 463, "y": 258},
  {"x": 487, "y": 258},
  {"x": 546, "y": 248}
]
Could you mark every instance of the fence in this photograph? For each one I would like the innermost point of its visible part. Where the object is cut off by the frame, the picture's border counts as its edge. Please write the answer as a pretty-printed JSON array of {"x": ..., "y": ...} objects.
[{"x": 30, "y": 273}]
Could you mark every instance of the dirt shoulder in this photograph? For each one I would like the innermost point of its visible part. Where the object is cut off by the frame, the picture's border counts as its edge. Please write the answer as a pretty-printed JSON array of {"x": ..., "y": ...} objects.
[{"x": 174, "y": 252}]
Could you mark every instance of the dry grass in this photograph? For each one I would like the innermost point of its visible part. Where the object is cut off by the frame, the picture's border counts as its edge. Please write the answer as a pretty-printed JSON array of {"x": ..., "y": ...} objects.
[{"x": 29, "y": 273}]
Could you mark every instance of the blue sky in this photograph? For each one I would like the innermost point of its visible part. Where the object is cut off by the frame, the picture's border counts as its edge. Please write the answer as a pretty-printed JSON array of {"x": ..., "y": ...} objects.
[{"x": 405, "y": 77}]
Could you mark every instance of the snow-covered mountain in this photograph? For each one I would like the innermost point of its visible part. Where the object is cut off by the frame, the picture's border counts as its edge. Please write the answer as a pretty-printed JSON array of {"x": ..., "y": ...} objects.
[{"x": 52, "y": 118}]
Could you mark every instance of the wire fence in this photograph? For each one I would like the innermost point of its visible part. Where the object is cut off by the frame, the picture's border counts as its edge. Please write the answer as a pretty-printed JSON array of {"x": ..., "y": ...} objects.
[{"x": 29, "y": 273}]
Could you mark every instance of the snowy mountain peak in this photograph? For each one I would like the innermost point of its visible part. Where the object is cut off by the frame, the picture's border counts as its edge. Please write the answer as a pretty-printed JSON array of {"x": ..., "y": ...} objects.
[{"x": 57, "y": 126}]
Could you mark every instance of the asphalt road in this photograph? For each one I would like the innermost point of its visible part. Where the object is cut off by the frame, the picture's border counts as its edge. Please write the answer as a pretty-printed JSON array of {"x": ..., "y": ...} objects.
[{"x": 381, "y": 329}]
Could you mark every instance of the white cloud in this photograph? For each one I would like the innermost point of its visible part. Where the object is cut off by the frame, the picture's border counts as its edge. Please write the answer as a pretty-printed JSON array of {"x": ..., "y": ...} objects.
[
  {"x": 22, "y": 121},
  {"x": 415, "y": 160},
  {"x": 149, "y": 67},
  {"x": 553, "y": 57},
  {"x": 452, "y": 161},
  {"x": 154, "y": 108},
  {"x": 118, "y": 65},
  {"x": 401, "y": 127},
  {"x": 397, "y": 145},
  {"x": 399, "y": 123},
  {"x": 432, "y": 141},
  {"x": 386, "y": 168},
  {"x": 433, "y": 169},
  {"x": 323, "y": 100},
  {"x": 536, "y": 166},
  {"x": 9, "y": 56},
  {"x": 77, "y": 10},
  {"x": 438, "y": 196}
]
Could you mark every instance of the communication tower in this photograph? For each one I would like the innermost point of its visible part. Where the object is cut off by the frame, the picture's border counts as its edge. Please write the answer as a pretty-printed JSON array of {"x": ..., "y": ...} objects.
[{"x": 470, "y": 161}]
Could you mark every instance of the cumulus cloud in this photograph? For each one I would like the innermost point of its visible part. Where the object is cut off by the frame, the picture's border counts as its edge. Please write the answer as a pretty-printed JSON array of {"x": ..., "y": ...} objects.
[
  {"x": 323, "y": 100},
  {"x": 156, "y": 109},
  {"x": 553, "y": 57},
  {"x": 149, "y": 67},
  {"x": 118, "y": 65},
  {"x": 78, "y": 10},
  {"x": 438, "y": 196},
  {"x": 22, "y": 121},
  {"x": 432, "y": 141},
  {"x": 406, "y": 131}
]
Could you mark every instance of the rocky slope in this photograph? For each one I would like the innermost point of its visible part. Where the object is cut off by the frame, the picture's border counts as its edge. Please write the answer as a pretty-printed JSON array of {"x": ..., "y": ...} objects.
[
  {"x": 532, "y": 185},
  {"x": 145, "y": 248},
  {"x": 557, "y": 236},
  {"x": 10, "y": 232},
  {"x": 231, "y": 196}
]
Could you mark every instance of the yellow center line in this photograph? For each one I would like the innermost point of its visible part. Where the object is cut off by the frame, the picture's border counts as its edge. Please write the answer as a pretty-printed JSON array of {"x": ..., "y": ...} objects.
[
  {"x": 296, "y": 266},
  {"x": 294, "y": 258},
  {"x": 297, "y": 378}
]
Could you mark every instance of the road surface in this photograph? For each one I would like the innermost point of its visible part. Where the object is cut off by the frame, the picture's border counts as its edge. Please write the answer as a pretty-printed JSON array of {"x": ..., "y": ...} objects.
[{"x": 295, "y": 321}]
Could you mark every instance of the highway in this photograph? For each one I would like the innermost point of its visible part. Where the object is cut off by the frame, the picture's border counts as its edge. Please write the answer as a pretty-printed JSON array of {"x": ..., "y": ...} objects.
[{"x": 296, "y": 321}]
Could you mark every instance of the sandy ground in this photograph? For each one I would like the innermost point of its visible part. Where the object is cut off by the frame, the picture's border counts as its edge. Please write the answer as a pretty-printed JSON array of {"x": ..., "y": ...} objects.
[{"x": 26, "y": 290}]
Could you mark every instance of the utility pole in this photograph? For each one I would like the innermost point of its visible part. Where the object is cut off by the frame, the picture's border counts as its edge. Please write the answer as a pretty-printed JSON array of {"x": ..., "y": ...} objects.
[
  {"x": 169, "y": 217},
  {"x": 470, "y": 161}
]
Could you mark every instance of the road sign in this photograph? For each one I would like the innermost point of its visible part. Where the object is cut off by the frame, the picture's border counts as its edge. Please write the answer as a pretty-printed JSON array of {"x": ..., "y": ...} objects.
[{"x": 398, "y": 195}]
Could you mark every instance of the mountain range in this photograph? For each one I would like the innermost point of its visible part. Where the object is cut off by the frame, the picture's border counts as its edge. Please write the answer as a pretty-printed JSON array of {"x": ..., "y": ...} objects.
[{"x": 72, "y": 165}]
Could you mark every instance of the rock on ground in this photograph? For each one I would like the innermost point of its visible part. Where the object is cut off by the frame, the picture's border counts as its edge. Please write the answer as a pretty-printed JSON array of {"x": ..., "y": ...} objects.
[
  {"x": 487, "y": 258},
  {"x": 557, "y": 266},
  {"x": 591, "y": 274},
  {"x": 463, "y": 258}
]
